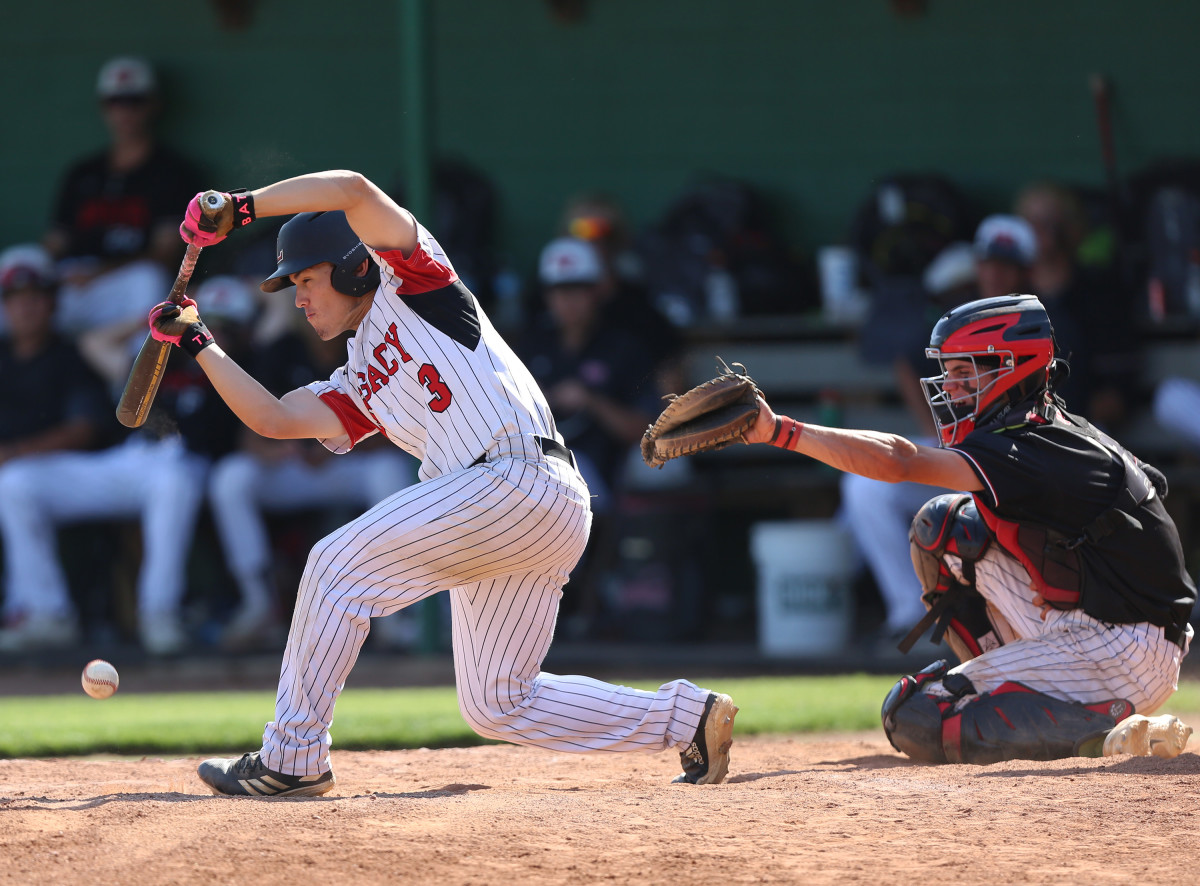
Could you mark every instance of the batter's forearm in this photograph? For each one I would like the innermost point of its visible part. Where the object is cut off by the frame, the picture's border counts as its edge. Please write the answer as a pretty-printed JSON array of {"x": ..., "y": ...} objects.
[{"x": 259, "y": 409}]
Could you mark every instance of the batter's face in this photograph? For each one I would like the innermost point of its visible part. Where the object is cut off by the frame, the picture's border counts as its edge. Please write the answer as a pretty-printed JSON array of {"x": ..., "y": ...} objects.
[{"x": 328, "y": 312}]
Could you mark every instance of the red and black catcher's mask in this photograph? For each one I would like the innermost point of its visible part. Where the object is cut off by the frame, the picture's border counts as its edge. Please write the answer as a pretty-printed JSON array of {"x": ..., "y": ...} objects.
[{"x": 993, "y": 353}]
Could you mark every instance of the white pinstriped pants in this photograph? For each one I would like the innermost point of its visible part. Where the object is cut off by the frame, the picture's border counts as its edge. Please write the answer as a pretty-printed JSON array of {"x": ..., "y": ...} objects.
[
  {"x": 502, "y": 537},
  {"x": 1067, "y": 655}
]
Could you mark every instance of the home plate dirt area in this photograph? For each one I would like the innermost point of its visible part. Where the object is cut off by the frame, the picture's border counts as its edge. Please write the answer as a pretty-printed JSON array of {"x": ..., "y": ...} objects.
[{"x": 842, "y": 808}]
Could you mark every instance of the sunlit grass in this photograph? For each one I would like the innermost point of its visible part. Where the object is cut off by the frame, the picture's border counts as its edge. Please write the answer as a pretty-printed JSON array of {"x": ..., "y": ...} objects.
[{"x": 232, "y": 722}]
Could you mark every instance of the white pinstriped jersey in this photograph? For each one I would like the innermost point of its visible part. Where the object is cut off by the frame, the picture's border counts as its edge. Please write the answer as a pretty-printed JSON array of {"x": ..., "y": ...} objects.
[
  {"x": 501, "y": 537},
  {"x": 428, "y": 370}
]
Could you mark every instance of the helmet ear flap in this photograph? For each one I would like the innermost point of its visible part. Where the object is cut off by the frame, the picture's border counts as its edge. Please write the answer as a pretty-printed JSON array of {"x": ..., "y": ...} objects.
[{"x": 344, "y": 276}]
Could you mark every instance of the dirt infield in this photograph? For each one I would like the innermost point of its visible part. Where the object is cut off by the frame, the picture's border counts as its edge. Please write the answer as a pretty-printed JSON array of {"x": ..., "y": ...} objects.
[{"x": 827, "y": 809}]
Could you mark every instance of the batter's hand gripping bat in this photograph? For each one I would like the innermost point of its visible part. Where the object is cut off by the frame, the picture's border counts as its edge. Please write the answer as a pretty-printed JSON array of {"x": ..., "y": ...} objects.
[{"x": 151, "y": 362}]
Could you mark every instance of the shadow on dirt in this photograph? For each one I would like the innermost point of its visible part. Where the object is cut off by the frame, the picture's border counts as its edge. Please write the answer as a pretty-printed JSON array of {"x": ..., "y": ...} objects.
[
  {"x": 1184, "y": 764},
  {"x": 13, "y": 804},
  {"x": 871, "y": 761},
  {"x": 450, "y": 790},
  {"x": 758, "y": 776}
]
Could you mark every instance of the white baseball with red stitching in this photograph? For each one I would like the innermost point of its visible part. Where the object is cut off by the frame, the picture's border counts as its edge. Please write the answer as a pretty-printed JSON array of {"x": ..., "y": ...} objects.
[{"x": 100, "y": 679}]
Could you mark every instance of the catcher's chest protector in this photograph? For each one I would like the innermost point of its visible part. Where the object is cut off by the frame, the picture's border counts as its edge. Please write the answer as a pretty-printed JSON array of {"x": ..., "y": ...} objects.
[{"x": 1053, "y": 559}]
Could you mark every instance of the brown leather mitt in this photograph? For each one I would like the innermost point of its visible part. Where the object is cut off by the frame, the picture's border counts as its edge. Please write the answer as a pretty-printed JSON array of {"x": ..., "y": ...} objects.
[{"x": 710, "y": 416}]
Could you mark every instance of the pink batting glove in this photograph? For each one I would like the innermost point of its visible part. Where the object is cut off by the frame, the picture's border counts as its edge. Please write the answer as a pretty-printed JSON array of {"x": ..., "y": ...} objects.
[
  {"x": 198, "y": 230},
  {"x": 167, "y": 310}
]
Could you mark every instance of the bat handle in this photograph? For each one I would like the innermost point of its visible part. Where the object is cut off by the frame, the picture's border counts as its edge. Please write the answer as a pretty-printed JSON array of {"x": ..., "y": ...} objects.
[
  {"x": 211, "y": 204},
  {"x": 186, "y": 267}
]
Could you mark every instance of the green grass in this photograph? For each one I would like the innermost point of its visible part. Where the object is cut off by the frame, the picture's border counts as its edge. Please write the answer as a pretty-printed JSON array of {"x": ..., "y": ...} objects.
[{"x": 231, "y": 722}]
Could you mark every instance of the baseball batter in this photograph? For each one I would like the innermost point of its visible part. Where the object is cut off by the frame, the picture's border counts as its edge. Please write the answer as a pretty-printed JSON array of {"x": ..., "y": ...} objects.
[
  {"x": 1059, "y": 579},
  {"x": 498, "y": 519}
]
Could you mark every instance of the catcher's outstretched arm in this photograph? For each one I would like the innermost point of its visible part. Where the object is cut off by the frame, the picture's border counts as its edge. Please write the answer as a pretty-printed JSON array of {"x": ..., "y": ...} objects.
[{"x": 873, "y": 454}]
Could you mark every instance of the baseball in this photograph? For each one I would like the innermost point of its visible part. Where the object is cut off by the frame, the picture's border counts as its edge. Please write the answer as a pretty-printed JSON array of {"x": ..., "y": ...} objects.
[{"x": 100, "y": 679}]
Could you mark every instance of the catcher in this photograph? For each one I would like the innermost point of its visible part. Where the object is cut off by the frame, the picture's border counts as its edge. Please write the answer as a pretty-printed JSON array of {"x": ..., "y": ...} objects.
[{"x": 1056, "y": 575}]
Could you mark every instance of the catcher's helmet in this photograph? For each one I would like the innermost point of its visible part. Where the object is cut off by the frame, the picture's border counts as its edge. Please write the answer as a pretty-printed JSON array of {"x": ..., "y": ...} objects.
[
  {"x": 1009, "y": 342},
  {"x": 314, "y": 237}
]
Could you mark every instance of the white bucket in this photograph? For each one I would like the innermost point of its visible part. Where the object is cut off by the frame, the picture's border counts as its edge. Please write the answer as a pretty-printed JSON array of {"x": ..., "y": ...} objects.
[{"x": 805, "y": 595}]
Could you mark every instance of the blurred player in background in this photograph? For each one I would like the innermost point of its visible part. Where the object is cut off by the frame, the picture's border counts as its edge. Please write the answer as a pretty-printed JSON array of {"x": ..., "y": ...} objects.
[
  {"x": 114, "y": 224},
  {"x": 51, "y": 404}
]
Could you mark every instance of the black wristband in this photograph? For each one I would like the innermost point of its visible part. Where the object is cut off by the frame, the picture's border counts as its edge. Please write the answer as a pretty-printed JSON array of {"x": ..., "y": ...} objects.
[
  {"x": 243, "y": 207},
  {"x": 196, "y": 338},
  {"x": 778, "y": 428}
]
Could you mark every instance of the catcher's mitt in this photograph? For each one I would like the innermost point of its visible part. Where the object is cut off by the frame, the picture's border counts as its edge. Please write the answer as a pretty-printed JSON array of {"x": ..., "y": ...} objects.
[{"x": 709, "y": 416}]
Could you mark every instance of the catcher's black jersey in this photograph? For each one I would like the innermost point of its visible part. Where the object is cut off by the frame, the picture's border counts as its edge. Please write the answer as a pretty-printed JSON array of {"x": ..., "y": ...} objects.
[{"x": 1063, "y": 477}]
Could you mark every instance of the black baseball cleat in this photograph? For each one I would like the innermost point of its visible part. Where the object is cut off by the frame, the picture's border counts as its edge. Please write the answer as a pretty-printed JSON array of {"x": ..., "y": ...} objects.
[
  {"x": 248, "y": 777},
  {"x": 706, "y": 759}
]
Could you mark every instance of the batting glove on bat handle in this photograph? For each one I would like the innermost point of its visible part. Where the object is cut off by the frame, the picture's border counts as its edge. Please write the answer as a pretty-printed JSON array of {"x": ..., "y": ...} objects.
[
  {"x": 180, "y": 325},
  {"x": 211, "y": 215}
]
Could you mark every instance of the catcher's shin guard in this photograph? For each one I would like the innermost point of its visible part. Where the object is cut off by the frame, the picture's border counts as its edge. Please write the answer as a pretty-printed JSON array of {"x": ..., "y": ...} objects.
[
  {"x": 912, "y": 720},
  {"x": 1017, "y": 723},
  {"x": 1012, "y": 723}
]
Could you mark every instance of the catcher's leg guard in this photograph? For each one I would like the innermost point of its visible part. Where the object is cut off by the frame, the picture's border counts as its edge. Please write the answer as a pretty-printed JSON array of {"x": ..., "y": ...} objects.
[
  {"x": 1016, "y": 723},
  {"x": 912, "y": 720},
  {"x": 1013, "y": 723},
  {"x": 950, "y": 524}
]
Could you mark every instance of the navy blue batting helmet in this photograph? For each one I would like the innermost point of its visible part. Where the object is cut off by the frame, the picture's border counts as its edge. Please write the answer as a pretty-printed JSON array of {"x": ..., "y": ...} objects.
[{"x": 314, "y": 237}]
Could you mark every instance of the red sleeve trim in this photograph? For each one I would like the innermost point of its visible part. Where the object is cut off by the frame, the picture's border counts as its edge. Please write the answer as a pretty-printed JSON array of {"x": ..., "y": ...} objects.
[
  {"x": 420, "y": 272},
  {"x": 356, "y": 424}
]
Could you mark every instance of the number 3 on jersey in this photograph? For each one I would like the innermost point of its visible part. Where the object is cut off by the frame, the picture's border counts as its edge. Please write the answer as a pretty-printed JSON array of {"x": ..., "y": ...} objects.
[{"x": 428, "y": 376}]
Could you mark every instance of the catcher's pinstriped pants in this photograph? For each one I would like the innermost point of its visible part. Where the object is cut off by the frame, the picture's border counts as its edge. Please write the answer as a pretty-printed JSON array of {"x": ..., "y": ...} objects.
[{"x": 1067, "y": 654}]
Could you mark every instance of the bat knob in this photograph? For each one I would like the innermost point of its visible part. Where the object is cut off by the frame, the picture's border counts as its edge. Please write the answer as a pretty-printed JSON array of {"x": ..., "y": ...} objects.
[{"x": 214, "y": 201}]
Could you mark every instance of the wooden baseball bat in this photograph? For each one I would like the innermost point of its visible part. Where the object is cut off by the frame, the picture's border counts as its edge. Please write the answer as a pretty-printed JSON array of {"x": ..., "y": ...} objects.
[{"x": 151, "y": 362}]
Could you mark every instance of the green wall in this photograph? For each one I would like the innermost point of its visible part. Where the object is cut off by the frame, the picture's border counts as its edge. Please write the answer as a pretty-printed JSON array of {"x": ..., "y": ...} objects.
[{"x": 809, "y": 100}]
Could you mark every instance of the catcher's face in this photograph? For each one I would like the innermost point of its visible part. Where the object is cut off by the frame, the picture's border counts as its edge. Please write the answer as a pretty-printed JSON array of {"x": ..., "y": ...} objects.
[
  {"x": 961, "y": 384},
  {"x": 959, "y": 393},
  {"x": 329, "y": 312}
]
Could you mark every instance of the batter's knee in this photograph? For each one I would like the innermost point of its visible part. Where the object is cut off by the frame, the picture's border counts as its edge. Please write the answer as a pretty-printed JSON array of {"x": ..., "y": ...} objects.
[
  {"x": 486, "y": 722},
  {"x": 479, "y": 703}
]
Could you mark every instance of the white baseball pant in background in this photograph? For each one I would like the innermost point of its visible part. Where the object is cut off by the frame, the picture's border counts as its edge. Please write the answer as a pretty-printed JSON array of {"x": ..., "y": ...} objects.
[
  {"x": 244, "y": 487},
  {"x": 157, "y": 481},
  {"x": 878, "y": 515},
  {"x": 1177, "y": 408}
]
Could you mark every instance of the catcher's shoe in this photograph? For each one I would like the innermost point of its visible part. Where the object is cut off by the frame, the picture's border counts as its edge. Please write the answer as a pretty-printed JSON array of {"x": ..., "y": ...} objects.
[
  {"x": 706, "y": 759},
  {"x": 248, "y": 777},
  {"x": 1164, "y": 736}
]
